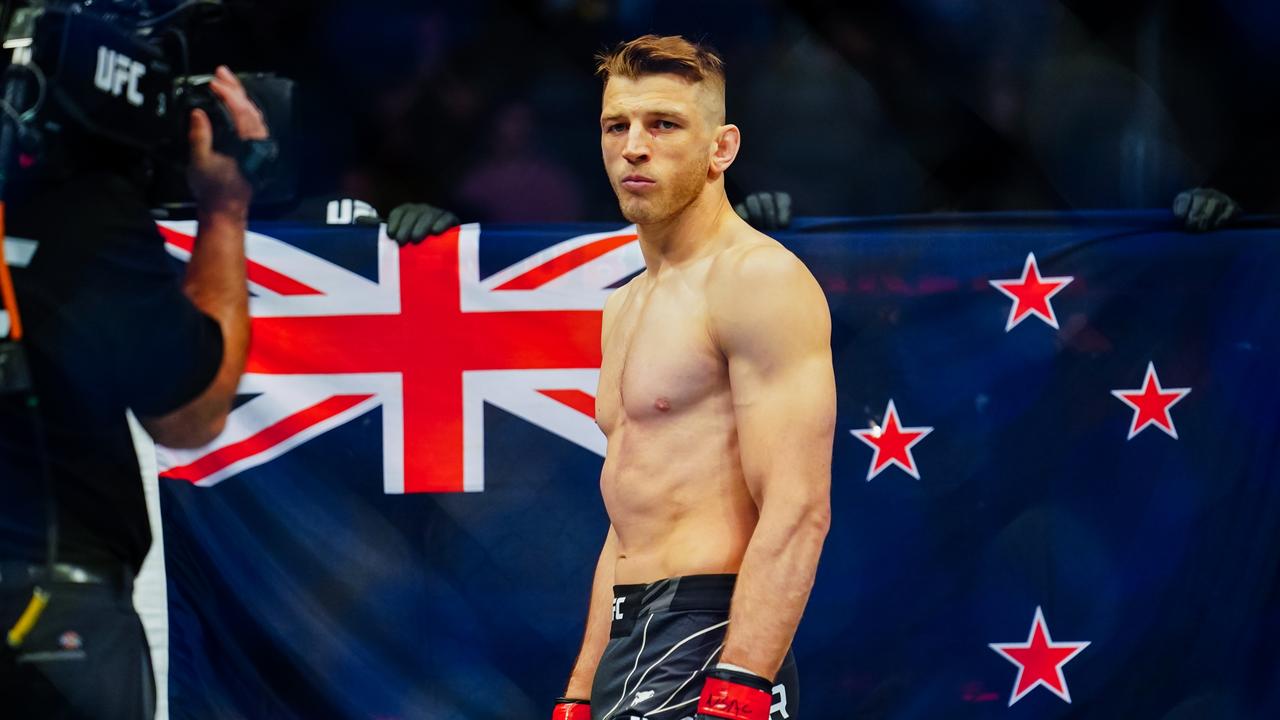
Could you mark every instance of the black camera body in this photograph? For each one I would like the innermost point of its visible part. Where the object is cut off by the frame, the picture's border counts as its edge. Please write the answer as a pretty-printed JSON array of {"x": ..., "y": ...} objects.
[{"x": 84, "y": 74}]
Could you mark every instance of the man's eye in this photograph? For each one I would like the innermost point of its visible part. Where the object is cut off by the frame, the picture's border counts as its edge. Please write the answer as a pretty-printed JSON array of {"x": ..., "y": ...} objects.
[
  {"x": 667, "y": 125},
  {"x": 616, "y": 128}
]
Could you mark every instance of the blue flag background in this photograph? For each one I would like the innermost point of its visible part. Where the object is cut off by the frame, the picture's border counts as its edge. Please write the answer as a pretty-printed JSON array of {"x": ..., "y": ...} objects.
[{"x": 298, "y": 589}]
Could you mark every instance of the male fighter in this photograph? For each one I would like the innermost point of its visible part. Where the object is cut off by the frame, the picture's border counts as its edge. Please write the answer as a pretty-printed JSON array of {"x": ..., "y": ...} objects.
[{"x": 717, "y": 397}]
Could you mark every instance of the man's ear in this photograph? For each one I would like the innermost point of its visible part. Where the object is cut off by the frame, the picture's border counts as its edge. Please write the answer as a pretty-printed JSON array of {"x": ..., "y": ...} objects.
[{"x": 728, "y": 139}]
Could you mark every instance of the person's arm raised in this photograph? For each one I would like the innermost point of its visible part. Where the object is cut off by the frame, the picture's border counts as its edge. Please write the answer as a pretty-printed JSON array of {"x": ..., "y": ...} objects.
[{"x": 215, "y": 280}]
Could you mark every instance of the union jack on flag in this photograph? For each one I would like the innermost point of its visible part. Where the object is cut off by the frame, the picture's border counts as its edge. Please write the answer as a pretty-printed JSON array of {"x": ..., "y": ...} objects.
[{"x": 428, "y": 337}]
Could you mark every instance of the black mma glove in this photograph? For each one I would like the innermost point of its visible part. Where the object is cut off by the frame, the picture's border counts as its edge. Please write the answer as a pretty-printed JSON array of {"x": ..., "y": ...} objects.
[
  {"x": 766, "y": 210},
  {"x": 1203, "y": 209},
  {"x": 411, "y": 223}
]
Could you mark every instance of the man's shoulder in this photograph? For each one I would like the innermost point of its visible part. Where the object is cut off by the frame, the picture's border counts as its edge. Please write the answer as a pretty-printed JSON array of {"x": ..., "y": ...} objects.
[
  {"x": 755, "y": 262},
  {"x": 615, "y": 300},
  {"x": 619, "y": 295},
  {"x": 758, "y": 289}
]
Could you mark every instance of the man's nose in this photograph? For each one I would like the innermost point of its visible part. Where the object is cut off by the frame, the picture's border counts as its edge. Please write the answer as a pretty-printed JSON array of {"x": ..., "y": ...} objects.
[{"x": 637, "y": 149}]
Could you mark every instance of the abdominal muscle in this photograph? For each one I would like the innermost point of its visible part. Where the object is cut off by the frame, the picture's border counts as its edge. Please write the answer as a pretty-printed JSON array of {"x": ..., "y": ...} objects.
[{"x": 674, "y": 491}]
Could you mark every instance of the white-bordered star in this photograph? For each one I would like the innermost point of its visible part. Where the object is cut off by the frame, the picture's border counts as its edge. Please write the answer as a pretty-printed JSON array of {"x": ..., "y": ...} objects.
[
  {"x": 1151, "y": 404},
  {"x": 1031, "y": 294},
  {"x": 1039, "y": 660},
  {"x": 892, "y": 444}
]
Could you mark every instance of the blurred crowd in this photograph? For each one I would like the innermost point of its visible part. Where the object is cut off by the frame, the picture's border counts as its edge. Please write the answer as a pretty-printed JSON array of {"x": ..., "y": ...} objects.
[{"x": 489, "y": 107}]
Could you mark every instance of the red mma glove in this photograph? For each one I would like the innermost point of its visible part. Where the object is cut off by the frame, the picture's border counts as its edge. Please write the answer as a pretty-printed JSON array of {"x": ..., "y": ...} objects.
[
  {"x": 571, "y": 709},
  {"x": 735, "y": 695}
]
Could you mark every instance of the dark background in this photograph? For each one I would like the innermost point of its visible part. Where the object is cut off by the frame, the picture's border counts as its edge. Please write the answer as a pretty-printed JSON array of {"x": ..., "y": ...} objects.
[{"x": 489, "y": 107}]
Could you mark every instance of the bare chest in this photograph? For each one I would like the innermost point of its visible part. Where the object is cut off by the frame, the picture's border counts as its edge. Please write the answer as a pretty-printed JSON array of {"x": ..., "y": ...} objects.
[{"x": 658, "y": 359}]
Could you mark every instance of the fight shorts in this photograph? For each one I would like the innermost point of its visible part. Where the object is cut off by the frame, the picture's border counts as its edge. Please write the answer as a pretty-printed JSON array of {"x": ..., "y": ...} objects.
[{"x": 663, "y": 636}]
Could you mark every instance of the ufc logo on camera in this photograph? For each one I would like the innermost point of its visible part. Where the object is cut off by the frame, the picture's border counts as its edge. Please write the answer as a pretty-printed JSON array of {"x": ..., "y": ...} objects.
[{"x": 118, "y": 74}]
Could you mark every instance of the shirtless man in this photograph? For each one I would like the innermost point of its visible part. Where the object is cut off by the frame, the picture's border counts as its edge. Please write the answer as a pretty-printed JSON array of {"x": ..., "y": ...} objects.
[{"x": 717, "y": 397}]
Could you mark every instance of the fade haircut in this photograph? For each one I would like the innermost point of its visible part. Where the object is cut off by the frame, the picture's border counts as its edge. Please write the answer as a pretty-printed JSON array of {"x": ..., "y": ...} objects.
[{"x": 655, "y": 55}]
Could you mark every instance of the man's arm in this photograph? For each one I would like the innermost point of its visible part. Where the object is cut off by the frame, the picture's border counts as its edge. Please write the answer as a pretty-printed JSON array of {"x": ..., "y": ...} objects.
[
  {"x": 599, "y": 612},
  {"x": 772, "y": 322},
  {"x": 215, "y": 279},
  {"x": 599, "y": 618}
]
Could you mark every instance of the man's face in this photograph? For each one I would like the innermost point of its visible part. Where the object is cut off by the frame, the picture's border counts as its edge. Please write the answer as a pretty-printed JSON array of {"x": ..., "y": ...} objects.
[{"x": 657, "y": 134}]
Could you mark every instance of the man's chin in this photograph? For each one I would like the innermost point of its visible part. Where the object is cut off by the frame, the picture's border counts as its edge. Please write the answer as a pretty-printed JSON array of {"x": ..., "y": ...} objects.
[{"x": 640, "y": 213}]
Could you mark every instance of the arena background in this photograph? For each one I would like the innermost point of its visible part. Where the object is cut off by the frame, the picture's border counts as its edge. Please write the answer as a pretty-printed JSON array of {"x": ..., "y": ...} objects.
[
  {"x": 490, "y": 108},
  {"x": 298, "y": 586}
]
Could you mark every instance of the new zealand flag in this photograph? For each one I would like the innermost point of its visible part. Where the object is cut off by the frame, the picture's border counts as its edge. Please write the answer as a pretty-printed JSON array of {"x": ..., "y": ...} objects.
[{"x": 1055, "y": 484}]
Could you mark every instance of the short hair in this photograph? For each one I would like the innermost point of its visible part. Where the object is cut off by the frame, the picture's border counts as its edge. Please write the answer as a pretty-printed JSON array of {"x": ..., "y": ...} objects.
[{"x": 654, "y": 55}]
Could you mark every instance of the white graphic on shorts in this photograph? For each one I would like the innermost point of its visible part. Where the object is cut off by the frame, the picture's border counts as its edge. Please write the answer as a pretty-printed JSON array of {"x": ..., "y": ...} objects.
[{"x": 780, "y": 707}]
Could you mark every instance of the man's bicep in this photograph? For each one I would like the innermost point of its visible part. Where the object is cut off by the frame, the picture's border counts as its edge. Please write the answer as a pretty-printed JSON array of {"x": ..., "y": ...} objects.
[
  {"x": 785, "y": 424},
  {"x": 777, "y": 342}
]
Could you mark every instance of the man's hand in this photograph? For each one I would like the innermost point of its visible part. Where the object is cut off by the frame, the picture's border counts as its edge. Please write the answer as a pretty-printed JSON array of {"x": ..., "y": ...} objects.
[
  {"x": 412, "y": 223},
  {"x": 1203, "y": 209},
  {"x": 215, "y": 178},
  {"x": 766, "y": 210}
]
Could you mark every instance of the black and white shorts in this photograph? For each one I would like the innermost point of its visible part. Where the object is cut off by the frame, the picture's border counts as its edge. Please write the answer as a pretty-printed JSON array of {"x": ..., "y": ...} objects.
[{"x": 663, "y": 636}]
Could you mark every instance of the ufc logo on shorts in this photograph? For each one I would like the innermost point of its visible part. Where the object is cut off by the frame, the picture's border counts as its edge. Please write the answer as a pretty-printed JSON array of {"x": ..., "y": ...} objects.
[{"x": 617, "y": 607}]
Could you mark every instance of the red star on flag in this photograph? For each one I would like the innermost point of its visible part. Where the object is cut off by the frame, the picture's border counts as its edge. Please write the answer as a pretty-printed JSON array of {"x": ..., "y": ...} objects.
[
  {"x": 892, "y": 444},
  {"x": 1030, "y": 294},
  {"x": 1151, "y": 404},
  {"x": 1039, "y": 661}
]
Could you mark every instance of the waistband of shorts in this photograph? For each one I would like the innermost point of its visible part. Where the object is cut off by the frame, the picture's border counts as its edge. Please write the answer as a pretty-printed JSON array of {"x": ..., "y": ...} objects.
[{"x": 687, "y": 592}]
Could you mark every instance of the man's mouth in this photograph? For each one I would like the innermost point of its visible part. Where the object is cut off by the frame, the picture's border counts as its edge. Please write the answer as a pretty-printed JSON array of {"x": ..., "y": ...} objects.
[{"x": 638, "y": 183}]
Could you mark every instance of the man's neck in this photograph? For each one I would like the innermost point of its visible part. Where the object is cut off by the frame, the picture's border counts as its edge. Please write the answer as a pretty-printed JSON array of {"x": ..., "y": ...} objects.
[{"x": 689, "y": 234}]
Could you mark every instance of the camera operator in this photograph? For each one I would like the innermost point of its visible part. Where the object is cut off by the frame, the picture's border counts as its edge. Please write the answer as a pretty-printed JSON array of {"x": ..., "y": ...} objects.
[{"x": 108, "y": 327}]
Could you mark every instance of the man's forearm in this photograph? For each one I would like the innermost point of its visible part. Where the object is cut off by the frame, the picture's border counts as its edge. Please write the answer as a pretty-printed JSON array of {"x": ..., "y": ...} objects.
[
  {"x": 216, "y": 284},
  {"x": 216, "y": 277},
  {"x": 773, "y": 586},
  {"x": 599, "y": 619}
]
